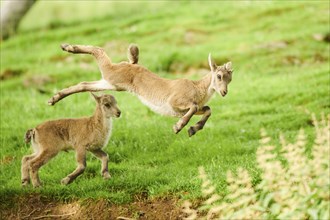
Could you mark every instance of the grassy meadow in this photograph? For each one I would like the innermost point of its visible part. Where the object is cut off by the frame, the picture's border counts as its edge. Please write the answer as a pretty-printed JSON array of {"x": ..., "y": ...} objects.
[{"x": 281, "y": 73}]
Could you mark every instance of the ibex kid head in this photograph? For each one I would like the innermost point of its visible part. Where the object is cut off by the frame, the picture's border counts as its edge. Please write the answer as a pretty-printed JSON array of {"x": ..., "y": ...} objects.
[
  {"x": 108, "y": 105},
  {"x": 221, "y": 76}
]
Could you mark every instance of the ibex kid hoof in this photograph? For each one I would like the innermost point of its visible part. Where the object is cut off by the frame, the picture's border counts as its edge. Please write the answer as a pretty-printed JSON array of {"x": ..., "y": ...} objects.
[
  {"x": 67, "y": 47},
  {"x": 191, "y": 131},
  {"x": 176, "y": 129},
  {"x": 65, "y": 181},
  {"x": 51, "y": 102},
  {"x": 64, "y": 46},
  {"x": 25, "y": 183},
  {"x": 106, "y": 176},
  {"x": 38, "y": 185}
]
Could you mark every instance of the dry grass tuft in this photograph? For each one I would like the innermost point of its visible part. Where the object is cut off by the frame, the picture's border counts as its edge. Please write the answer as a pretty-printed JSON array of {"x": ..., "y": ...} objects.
[{"x": 297, "y": 188}]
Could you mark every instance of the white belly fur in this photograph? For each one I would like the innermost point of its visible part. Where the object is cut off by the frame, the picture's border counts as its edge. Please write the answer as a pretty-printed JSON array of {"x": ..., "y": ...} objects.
[
  {"x": 162, "y": 108},
  {"x": 104, "y": 84}
]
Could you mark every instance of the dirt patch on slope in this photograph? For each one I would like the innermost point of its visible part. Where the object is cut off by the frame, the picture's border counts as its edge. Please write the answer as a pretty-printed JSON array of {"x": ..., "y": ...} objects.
[
  {"x": 38, "y": 207},
  {"x": 11, "y": 73}
]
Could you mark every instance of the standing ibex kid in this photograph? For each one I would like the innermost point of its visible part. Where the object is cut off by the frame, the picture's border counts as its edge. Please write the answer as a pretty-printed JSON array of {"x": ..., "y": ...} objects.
[
  {"x": 180, "y": 97},
  {"x": 82, "y": 135}
]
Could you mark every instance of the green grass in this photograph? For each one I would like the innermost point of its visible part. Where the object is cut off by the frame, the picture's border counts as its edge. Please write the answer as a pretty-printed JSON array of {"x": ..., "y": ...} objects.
[{"x": 272, "y": 88}]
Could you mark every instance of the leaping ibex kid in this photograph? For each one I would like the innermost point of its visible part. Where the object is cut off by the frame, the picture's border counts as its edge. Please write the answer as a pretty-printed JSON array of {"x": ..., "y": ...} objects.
[{"x": 179, "y": 97}]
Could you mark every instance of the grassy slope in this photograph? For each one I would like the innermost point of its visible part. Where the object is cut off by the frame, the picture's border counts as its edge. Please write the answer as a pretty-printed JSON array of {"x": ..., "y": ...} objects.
[{"x": 273, "y": 85}]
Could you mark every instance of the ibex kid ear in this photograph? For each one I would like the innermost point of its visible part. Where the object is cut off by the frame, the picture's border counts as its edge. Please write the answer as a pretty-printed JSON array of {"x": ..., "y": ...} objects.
[
  {"x": 212, "y": 64},
  {"x": 97, "y": 98},
  {"x": 228, "y": 66}
]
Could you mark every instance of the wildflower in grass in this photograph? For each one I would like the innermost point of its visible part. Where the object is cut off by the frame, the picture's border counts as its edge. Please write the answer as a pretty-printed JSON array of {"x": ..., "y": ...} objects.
[{"x": 296, "y": 188}]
